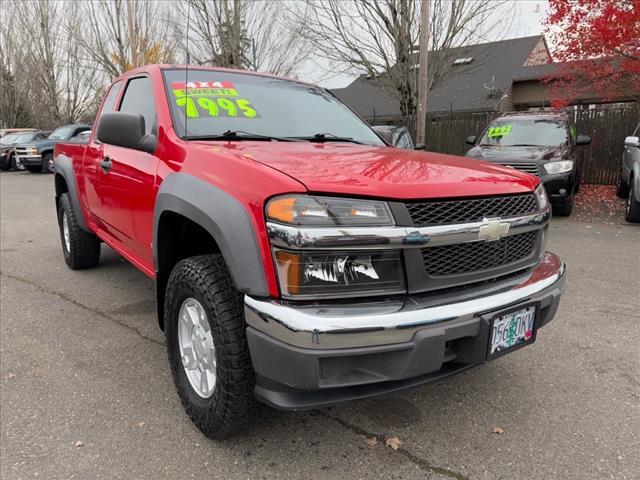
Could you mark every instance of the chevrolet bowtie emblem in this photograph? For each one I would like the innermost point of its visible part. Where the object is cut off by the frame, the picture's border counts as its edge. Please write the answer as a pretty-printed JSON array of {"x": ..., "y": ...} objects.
[{"x": 493, "y": 229}]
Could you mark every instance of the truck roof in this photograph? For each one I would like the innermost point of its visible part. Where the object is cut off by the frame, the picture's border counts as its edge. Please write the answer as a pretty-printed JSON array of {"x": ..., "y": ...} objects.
[
  {"x": 540, "y": 114},
  {"x": 166, "y": 66}
]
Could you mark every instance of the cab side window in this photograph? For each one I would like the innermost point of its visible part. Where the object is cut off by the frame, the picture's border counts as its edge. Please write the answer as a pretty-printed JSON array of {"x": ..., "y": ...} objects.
[
  {"x": 138, "y": 99},
  {"x": 110, "y": 100}
]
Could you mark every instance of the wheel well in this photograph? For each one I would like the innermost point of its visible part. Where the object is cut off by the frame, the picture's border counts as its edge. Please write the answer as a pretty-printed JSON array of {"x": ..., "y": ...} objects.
[
  {"x": 178, "y": 238},
  {"x": 61, "y": 187}
]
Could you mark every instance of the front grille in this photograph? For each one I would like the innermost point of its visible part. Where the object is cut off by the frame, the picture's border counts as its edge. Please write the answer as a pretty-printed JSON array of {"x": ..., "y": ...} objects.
[
  {"x": 473, "y": 210},
  {"x": 476, "y": 256},
  {"x": 531, "y": 168}
]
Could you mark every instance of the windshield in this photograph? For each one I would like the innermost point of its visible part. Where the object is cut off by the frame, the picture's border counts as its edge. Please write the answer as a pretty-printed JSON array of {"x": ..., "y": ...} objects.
[
  {"x": 9, "y": 138},
  {"x": 62, "y": 133},
  {"x": 215, "y": 102},
  {"x": 540, "y": 132}
]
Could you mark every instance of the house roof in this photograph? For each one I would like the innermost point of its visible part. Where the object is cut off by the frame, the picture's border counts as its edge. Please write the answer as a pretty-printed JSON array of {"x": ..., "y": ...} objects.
[{"x": 466, "y": 86}]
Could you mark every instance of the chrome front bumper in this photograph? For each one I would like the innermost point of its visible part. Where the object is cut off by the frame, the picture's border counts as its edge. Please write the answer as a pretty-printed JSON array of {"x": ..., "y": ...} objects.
[{"x": 398, "y": 319}]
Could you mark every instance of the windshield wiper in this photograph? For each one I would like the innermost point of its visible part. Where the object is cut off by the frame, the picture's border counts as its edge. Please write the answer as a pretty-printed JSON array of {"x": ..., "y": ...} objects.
[
  {"x": 329, "y": 137},
  {"x": 240, "y": 135}
]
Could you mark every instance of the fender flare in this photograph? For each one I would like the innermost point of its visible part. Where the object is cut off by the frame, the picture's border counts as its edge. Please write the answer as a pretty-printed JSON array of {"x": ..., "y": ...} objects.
[
  {"x": 63, "y": 166},
  {"x": 224, "y": 218}
]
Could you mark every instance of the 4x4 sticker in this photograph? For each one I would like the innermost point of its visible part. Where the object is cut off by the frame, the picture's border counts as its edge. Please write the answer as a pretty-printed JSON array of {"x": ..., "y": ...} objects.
[
  {"x": 499, "y": 131},
  {"x": 214, "y": 99}
]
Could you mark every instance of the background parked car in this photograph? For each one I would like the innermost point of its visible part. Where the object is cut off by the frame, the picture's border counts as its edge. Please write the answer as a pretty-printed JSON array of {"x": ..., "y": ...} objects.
[
  {"x": 38, "y": 156},
  {"x": 629, "y": 183},
  {"x": 540, "y": 143},
  {"x": 9, "y": 161},
  {"x": 7, "y": 131},
  {"x": 397, "y": 136},
  {"x": 82, "y": 137}
]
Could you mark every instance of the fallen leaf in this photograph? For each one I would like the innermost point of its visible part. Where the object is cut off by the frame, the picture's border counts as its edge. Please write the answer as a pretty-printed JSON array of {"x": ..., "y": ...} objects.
[
  {"x": 497, "y": 430},
  {"x": 79, "y": 444},
  {"x": 393, "y": 442},
  {"x": 371, "y": 441},
  {"x": 141, "y": 424},
  {"x": 12, "y": 375}
]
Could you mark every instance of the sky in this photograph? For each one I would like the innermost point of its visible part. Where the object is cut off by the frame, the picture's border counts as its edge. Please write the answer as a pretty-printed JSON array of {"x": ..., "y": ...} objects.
[{"x": 528, "y": 21}]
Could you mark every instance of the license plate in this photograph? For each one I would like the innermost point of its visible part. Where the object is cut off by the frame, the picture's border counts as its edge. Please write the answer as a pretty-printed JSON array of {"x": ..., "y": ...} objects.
[{"x": 512, "y": 330}]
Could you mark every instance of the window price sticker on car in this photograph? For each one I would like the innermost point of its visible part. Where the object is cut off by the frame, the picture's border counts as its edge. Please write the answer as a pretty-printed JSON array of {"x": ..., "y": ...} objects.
[
  {"x": 211, "y": 99},
  {"x": 512, "y": 330}
]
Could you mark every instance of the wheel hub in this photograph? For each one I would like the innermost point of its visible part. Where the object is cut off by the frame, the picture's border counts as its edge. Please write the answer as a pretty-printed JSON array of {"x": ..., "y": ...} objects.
[
  {"x": 65, "y": 232},
  {"x": 197, "y": 350}
]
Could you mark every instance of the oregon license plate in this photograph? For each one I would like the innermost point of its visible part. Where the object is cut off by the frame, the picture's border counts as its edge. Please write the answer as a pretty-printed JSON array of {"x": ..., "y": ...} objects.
[{"x": 512, "y": 330}]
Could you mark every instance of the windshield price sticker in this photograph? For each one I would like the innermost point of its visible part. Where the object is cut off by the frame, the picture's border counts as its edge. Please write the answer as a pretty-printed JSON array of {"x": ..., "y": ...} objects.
[
  {"x": 499, "y": 131},
  {"x": 213, "y": 99}
]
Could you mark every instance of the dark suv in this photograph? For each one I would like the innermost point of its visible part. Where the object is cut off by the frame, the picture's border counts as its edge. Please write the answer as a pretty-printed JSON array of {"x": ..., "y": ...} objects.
[{"x": 542, "y": 144}]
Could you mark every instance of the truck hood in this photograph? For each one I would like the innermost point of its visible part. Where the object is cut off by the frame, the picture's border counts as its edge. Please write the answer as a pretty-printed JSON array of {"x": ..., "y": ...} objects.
[
  {"x": 497, "y": 153},
  {"x": 387, "y": 172}
]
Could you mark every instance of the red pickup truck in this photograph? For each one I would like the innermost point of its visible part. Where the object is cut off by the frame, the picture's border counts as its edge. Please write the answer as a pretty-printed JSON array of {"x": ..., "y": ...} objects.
[{"x": 298, "y": 258}]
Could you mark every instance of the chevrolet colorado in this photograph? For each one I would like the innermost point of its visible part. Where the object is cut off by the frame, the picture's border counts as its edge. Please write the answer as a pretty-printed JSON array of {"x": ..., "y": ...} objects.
[{"x": 299, "y": 259}]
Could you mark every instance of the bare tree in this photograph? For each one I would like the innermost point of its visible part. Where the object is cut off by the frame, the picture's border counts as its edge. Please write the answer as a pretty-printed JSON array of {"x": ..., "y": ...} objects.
[
  {"x": 60, "y": 86},
  {"x": 119, "y": 35},
  {"x": 378, "y": 37},
  {"x": 248, "y": 34},
  {"x": 13, "y": 108}
]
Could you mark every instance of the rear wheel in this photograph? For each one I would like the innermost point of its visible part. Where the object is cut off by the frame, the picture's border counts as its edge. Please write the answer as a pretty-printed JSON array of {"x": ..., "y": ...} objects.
[
  {"x": 633, "y": 205},
  {"x": 80, "y": 249},
  {"x": 34, "y": 168},
  {"x": 47, "y": 162},
  {"x": 207, "y": 345}
]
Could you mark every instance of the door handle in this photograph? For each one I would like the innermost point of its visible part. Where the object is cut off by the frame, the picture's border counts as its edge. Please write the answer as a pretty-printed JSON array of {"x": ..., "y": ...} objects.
[{"x": 106, "y": 164}]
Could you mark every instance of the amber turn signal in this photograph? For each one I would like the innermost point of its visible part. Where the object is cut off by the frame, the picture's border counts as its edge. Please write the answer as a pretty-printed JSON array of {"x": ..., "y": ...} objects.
[{"x": 281, "y": 209}]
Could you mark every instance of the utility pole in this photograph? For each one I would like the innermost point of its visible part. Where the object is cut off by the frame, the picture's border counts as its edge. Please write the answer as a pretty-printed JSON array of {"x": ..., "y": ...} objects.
[
  {"x": 423, "y": 74},
  {"x": 133, "y": 38}
]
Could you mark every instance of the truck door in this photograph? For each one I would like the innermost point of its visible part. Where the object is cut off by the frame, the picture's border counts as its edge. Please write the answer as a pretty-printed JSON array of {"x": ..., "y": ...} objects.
[{"x": 126, "y": 185}]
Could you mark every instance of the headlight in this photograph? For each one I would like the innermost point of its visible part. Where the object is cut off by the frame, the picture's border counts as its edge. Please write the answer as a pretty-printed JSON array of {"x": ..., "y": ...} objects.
[
  {"x": 541, "y": 197},
  {"x": 328, "y": 211},
  {"x": 319, "y": 274},
  {"x": 559, "y": 167}
]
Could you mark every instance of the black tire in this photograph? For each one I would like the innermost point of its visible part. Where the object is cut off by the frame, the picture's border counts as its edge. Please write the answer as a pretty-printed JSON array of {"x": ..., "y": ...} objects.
[
  {"x": 576, "y": 188},
  {"x": 18, "y": 167},
  {"x": 84, "y": 247},
  {"x": 34, "y": 168},
  {"x": 623, "y": 187},
  {"x": 5, "y": 164},
  {"x": 206, "y": 279},
  {"x": 632, "y": 213},
  {"x": 47, "y": 163},
  {"x": 564, "y": 208}
]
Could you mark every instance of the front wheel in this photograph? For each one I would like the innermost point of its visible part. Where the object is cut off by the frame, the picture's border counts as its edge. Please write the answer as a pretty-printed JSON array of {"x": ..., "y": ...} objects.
[
  {"x": 47, "y": 163},
  {"x": 207, "y": 345},
  {"x": 623, "y": 188},
  {"x": 632, "y": 213},
  {"x": 564, "y": 208},
  {"x": 80, "y": 249}
]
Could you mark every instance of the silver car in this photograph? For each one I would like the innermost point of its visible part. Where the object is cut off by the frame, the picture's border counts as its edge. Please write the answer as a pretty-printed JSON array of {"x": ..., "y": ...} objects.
[{"x": 629, "y": 182}]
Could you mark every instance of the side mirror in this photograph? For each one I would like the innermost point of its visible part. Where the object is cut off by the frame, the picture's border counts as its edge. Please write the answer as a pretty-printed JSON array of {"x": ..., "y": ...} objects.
[
  {"x": 471, "y": 140},
  {"x": 419, "y": 146},
  {"x": 583, "y": 140},
  {"x": 632, "y": 141},
  {"x": 125, "y": 130}
]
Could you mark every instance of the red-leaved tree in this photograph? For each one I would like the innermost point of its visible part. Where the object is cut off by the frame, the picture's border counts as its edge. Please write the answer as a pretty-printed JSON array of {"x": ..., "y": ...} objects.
[{"x": 598, "y": 45}]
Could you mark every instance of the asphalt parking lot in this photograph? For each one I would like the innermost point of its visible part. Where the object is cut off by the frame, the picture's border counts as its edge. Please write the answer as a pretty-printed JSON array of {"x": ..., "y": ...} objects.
[{"x": 86, "y": 391}]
